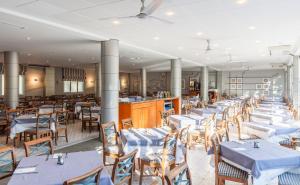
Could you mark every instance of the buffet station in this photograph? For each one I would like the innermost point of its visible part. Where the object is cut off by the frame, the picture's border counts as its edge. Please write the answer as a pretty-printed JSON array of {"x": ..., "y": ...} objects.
[{"x": 146, "y": 112}]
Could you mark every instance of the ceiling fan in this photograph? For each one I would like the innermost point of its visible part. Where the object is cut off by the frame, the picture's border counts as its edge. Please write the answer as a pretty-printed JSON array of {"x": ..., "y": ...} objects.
[{"x": 145, "y": 13}]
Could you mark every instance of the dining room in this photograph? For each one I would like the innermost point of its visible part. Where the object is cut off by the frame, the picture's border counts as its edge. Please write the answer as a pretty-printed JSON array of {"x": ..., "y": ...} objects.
[{"x": 149, "y": 92}]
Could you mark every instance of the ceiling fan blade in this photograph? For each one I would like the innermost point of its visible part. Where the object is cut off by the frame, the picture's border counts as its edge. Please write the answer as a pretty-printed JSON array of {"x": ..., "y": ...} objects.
[
  {"x": 161, "y": 20},
  {"x": 116, "y": 18},
  {"x": 152, "y": 6}
]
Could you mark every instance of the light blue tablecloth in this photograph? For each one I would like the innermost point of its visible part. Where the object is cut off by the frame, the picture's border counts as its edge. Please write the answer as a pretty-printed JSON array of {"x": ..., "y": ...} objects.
[
  {"x": 268, "y": 156},
  {"x": 148, "y": 141},
  {"x": 28, "y": 121},
  {"x": 182, "y": 121},
  {"x": 48, "y": 172}
]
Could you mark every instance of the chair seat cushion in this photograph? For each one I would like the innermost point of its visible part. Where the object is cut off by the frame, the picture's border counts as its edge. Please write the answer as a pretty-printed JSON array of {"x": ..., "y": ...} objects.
[
  {"x": 157, "y": 158},
  {"x": 87, "y": 118},
  {"x": 42, "y": 129},
  {"x": 289, "y": 179},
  {"x": 230, "y": 171},
  {"x": 285, "y": 142}
]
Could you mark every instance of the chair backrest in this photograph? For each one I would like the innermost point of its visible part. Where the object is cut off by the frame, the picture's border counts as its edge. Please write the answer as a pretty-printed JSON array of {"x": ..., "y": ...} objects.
[
  {"x": 41, "y": 146},
  {"x": 11, "y": 114},
  {"x": 86, "y": 111},
  {"x": 109, "y": 133},
  {"x": 89, "y": 178},
  {"x": 238, "y": 123},
  {"x": 216, "y": 148},
  {"x": 123, "y": 169},
  {"x": 179, "y": 175},
  {"x": 165, "y": 117},
  {"x": 187, "y": 108},
  {"x": 62, "y": 117},
  {"x": 184, "y": 135},
  {"x": 127, "y": 123},
  {"x": 169, "y": 148},
  {"x": 43, "y": 120},
  {"x": 7, "y": 161},
  {"x": 184, "y": 139}
]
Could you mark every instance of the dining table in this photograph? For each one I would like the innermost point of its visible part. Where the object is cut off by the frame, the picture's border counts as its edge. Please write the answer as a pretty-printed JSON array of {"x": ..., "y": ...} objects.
[
  {"x": 268, "y": 130},
  {"x": 263, "y": 163},
  {"x": 182, "y": 121},
  {"x": 28, "y": 121},
  {"x": 46, "y": 171},
  {"x": 44, "y": 109},
  {"x": 148, "y": 141}
]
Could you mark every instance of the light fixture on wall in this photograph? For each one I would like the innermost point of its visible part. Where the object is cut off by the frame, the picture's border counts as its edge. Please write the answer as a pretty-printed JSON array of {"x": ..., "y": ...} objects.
[{"x": 35, "y": 80}]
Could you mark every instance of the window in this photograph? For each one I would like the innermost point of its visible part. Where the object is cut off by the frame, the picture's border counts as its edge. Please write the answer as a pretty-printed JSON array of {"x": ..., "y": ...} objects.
[
  {"x": 21, "y": 84},
  {"x": 67, "y": 86},
  {"x": 73, "y": 86},
  {"x": 80, "y": 86}
]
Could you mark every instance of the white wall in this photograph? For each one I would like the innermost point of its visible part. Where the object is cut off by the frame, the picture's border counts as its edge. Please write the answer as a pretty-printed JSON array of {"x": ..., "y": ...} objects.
[{"x": 250, "y": 79}]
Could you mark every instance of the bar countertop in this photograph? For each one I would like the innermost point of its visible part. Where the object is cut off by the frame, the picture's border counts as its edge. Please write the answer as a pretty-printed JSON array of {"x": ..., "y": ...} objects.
[{"x": 144, "y": 100}]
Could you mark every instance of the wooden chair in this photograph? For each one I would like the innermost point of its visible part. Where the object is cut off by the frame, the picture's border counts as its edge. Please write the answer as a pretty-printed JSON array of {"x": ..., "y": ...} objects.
[
  {"x": 203, "y": 133},
  {"x": 41, "y": 146},
  {"x": 91, "y": 177},
  {"x": 179, "y": 175},
  {"x": 188, "y": 108},
  {"x": 88, "y": 118},
  {"x": 123, "y": 169},
  {"x": 11, "y": 114},
  {"x": 127, "y": 123},
  {"x": 112, "y": 147},
  {"x": 61, "y": 125},
  {"x": 70, "y": 106},
  {"x": 40, "y": 130},
  {"x": 165, "y": 118},
  {"x": 156, "y": 161},
  {"x": 184, "y": 139},
  {"x": 224, "y": 171},
  {"x": 8, "y": 161},
  {"x": 289, "y": 178}
]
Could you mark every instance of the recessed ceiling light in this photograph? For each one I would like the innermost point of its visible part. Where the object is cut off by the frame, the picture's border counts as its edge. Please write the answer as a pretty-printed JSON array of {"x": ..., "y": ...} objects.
[
  {"x": 116, "y": 22},
  {"x": 169, "y": 13},
  {"x": 251, "y": 27},
  {"x": 156, "y": 38},
  {"x": 28, "y": 38},
  {"x": 180, "y": 48},
  {"x": 199, "y": 33},
  {"x": 241, "y": 1},
  {"x": 258, "y": 41}
]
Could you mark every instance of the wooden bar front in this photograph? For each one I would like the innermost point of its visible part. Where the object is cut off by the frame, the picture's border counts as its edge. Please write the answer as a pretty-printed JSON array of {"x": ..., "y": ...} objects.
[{"x": 146, "y": 114}]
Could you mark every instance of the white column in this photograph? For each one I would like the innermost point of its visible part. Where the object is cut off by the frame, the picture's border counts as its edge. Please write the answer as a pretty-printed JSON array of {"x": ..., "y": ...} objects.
[
  {"x": 50, "y": 81},
  {"x": 144, "y": 82},
  {"x": 204, "y": 83},
  {"x": 296, "y": 82},
  {"x": 176, "y": 78},
  {"x": 110, "y": 81},
  {"x": 11, "y": 75},
  {"x": 285, "y": 93},
  {"x": 98, "y": 80},
  {"x": 219, "y": 83}
]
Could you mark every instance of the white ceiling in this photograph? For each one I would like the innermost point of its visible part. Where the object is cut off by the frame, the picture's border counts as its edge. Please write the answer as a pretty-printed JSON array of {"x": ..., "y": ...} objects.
[{"x": 67, "y": 32}]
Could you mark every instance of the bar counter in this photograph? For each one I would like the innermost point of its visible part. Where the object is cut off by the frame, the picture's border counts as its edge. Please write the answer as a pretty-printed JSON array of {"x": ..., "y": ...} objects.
[{"x": 146, "y": 113}]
